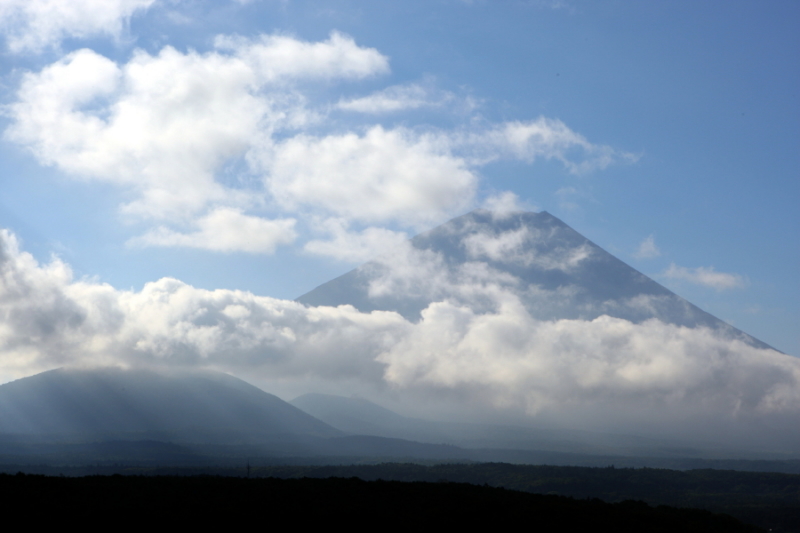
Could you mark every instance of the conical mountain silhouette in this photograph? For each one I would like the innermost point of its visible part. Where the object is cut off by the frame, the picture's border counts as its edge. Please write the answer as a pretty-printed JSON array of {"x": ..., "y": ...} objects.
[{"x": 554, "y": 270}]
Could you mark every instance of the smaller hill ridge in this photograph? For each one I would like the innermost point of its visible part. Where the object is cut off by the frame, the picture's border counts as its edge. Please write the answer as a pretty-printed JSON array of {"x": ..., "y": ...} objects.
[{"x": 185, "y": 405}]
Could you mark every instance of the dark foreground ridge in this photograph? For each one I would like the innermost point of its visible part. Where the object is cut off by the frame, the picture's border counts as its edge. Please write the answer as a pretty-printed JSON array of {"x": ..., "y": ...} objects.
[
  {"x": 307, "y": 500},
  {"x": 769, "y": 500}
]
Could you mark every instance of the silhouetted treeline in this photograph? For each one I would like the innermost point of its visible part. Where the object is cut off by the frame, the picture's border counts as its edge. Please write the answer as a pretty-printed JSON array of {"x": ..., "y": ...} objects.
[
  {"x": 315, "y": 501},
  {"x": 770, "y": 500}
]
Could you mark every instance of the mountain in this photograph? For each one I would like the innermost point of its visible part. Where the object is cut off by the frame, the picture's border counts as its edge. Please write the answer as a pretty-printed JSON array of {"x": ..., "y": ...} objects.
[
  {"x": 196, "y": 405},
  {"x": 111, "y": 415},
  {"x": 358, "y": 416},
  {"x": 554, "y": 270}
]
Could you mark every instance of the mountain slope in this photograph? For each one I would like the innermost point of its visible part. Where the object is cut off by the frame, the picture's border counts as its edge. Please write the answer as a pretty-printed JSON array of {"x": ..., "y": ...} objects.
[
  {"x": 114, "y": 401},
  {"x": 556, "y": 272},
  {"x": 358, "y": 416}
]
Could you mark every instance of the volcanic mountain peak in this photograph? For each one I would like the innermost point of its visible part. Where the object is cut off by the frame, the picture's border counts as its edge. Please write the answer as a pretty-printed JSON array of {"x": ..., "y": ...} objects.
[{"x": 477, "y": 258}]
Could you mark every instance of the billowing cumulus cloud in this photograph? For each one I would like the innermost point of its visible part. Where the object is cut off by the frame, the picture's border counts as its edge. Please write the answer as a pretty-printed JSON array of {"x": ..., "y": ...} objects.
[
  {"x": 162, "y": 125},
  {"x": 512, "y": 359},
  {"x": 380, "y": 176},
  {"x": 47, "y": 319},
  {"x": 32, "y": 25},
  {"x": 499, "y": 357},
  {"x": 705, "y": 276},
  {"x": 168, "y": 127}
]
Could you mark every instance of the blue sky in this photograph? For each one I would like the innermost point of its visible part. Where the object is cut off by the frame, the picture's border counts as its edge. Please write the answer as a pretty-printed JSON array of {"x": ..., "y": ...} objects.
[{"x": 181, "y": 138}]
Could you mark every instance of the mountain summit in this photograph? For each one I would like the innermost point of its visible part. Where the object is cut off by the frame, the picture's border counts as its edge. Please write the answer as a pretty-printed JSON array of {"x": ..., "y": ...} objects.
[
  {"x": 519, "y": 315},
  {"x": 555, "y": 271}
]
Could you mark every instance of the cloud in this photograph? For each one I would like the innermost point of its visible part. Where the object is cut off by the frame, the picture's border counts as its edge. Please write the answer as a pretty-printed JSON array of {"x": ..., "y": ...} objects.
[
  {"x": 162, "y": 126},
  {"x": 647, "y": 249},
  {"x": 513, "y": 360},
  {"x": 543, "y": 138},
  {"x": 275, "y": 58},
  {"x": 500, "y": 357},
  {"x": 395, "y": 98},
  {"x": 505, "y": 203},
  {"x": 520, "y": 246},
  {"x": 355, "y": 247},
  {"x": 33, "y": 25},
  {"x": 707, "y": 277},
  {"x": 48, "y": 320},
  {"x": 380, "y": 176},
  {"x": 226, "y": 230},
  {"x": 166, "y": 127}
]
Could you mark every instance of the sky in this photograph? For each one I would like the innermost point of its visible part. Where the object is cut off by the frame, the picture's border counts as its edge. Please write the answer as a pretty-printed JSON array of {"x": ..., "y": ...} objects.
[{"x": 253, "y": 150}]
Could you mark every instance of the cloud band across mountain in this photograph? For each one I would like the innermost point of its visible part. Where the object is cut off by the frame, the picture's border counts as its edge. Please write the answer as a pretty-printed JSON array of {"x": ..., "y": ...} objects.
[{"x": 502, "y": 357}]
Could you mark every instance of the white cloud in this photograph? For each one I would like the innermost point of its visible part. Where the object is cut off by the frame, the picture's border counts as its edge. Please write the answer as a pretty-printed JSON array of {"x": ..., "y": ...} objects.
[
  {"x": 355, "y": 247},
  {"x": 48, "y": 320},
  {"x": 32, "y": 25},
  {"x": 520, "y": 246},
  {"x": 226, "y": 230},
  {"x": 275, "y": 58},
  {"x": 410, "y": 272},
  {"x": 163, "y": 125},
  {"x": 513, "y": 360},
  {"x": 505, "y": 203},
  {"x": 706, "y": 276},
  {"x": 383, "y": 175},
  {"x": 543, "y": 138},
  {"x": 392, "y": 99},
  {"x": 502, "y": 358},
  {"x": 647, "y": 249}
]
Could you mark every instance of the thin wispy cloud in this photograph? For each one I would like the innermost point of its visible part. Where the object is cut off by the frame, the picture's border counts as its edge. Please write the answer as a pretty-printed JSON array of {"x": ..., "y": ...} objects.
[
  {"x": 706, "y": 276},
  {"x": 392, "y": 99},
  {"x": 647, "y": 249}
]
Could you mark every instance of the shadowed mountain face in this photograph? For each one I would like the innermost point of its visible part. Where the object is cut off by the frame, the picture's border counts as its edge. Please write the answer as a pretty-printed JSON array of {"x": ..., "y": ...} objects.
[
  {"x": 556, "y": 272},
  {"x": 113, "y": 401}
]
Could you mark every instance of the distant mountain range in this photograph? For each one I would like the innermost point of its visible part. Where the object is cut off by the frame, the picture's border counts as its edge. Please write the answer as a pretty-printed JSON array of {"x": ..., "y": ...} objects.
[
  {"x": 358, "y": 416},
  {"x": 109, "y": 416},
  {"x": 182, "y": 417}
]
